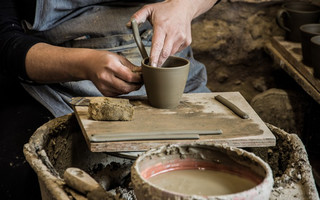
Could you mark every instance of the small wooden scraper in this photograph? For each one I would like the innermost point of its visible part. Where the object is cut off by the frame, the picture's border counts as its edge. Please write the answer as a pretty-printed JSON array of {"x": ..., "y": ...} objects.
[{"x": 81, "y": 181}]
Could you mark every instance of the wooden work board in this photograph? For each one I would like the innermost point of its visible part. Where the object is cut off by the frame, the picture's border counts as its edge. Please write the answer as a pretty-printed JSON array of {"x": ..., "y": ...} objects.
[
  {"x": 196, "y": 112},
  {"x": 289, "y": 57}
]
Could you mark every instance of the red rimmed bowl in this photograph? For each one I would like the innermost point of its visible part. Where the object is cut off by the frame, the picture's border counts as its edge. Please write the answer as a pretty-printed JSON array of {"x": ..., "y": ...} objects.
[{"x": 254, "y": 176}]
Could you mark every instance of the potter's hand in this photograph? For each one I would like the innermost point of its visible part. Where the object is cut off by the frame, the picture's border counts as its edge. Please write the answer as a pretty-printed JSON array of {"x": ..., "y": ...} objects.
[
  {"x": 171, "y": 22},
  {"x": 112, "y": 74}
]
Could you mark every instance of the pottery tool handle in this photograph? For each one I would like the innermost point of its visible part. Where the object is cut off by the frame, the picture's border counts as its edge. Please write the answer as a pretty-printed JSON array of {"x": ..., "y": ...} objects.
[
  {"x": 232, "y": 107},
  {"x": 137, "y": 38},
  {"x": 84, "y": 183},
  {"x": 80, "y": 180}
]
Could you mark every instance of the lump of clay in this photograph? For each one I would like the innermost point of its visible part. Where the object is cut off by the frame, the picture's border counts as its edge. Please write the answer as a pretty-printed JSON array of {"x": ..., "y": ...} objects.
[{"x": 110, "y": 109}]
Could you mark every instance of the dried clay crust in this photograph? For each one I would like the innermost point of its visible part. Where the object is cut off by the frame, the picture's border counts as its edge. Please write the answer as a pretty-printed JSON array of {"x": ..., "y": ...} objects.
[{"x": 110, "y": 109}]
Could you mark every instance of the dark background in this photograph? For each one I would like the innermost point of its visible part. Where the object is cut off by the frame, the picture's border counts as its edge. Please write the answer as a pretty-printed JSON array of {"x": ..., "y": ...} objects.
[{"x": 20, "y": 116}]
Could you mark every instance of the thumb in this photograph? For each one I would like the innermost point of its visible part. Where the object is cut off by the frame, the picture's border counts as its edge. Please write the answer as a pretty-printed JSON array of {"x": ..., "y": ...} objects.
[
  {"x": 125, "y": 62},
  {"x": 141, "y": 15}
]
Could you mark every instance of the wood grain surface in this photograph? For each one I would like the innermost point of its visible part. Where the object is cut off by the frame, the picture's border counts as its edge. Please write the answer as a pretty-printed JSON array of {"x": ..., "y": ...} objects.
[{"x": 197, "y": 114}]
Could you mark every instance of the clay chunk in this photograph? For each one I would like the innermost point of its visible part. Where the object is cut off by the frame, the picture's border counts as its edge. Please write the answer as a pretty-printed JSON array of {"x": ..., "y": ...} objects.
[{"x": 110, "y": 109}]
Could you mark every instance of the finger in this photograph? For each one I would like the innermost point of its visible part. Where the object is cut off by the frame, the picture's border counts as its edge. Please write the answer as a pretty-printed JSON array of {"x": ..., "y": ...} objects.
[
  {"x": 157, "y": 45},
  {"x": 166, "y": 51},
  {"x": 141, "y": 15},
  {"x": 187, "y": 42},
  {"x": 125, "y": 62},
  {"x": 126, "y": 74},
  {"x": 136, "y": 69},
  {"x": 109, "y": 93},
  {"x": 177, "y": 48},
  {"x": 115, "y": 86},
  {"x": 133, "y": 74},
  {"x": 123, "y": 87},
  {"x": 107, "y": 89}
]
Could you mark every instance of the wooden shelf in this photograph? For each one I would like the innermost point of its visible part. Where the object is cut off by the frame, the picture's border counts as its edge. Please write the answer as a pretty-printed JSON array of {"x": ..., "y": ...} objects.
[{"x": 288, "y": 56}]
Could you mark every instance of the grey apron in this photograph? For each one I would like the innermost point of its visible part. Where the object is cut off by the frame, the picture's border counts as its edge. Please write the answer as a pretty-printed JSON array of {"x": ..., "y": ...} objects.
[{"x": 99, "y": 26}]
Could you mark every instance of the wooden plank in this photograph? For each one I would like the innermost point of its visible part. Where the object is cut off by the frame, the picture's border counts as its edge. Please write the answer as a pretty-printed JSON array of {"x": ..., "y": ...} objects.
[
  {"x": 196, "y": 112},
  {"x": 292, "y": 53},
  {"x": 293, "y": 72}
]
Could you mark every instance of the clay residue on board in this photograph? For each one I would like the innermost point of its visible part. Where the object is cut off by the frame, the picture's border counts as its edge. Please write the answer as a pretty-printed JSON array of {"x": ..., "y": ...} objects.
[
  {"x": 187, "y": 117},
  {"x": 189, "y": 107}
]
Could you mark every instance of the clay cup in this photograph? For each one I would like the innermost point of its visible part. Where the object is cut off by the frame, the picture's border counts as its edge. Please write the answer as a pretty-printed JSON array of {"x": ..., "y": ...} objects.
[
  {"x": 307, "y": 32},
  {"x": 165, "y": 85},
  {"x": 315, "y": 52},
  {"x": 295, "y": 14}
]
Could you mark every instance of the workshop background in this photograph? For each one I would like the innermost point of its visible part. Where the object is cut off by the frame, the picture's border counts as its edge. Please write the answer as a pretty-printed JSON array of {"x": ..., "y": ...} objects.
[{"x": 231, "y": 41}]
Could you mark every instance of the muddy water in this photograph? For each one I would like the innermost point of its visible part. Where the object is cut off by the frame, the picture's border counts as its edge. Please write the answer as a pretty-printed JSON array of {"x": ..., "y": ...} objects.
[{"x": 201, "y": 182}]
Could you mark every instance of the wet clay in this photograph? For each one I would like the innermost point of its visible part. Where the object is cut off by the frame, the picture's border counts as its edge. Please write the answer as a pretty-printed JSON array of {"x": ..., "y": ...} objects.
[
  {"x": 214, "y": 158},
  {"x": 110, "y": 109},
  {"x": 201, "y": 182}
]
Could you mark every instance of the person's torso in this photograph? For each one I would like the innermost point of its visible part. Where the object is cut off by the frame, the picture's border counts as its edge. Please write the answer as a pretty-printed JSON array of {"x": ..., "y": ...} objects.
[{"x": 50, "y": 13}]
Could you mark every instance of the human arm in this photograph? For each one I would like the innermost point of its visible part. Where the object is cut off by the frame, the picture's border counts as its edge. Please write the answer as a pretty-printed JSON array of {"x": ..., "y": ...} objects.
[
  {"x": 33, "y": 59},
  {"x": 171, "y": 20},
  {"x": 14, "y": 43},
  {"x": 112, "y": 74}
]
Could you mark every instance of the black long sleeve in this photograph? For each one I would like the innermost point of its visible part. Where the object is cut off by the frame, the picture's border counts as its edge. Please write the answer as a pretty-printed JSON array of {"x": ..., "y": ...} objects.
[{"x": 14, "y": 42}]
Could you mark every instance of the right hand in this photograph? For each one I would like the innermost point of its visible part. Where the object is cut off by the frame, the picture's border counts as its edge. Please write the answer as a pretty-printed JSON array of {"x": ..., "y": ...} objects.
[{"x": 171, "y": 21}]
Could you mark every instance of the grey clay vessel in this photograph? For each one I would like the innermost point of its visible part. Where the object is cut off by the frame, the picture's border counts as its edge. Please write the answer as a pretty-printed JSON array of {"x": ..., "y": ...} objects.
[{"x": 165, "y": 85}]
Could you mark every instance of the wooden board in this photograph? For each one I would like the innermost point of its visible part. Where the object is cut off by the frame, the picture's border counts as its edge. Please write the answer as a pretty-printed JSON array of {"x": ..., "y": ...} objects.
[
  {"x": 288, "y": 56},
  {"x": 196, "y": 112}
]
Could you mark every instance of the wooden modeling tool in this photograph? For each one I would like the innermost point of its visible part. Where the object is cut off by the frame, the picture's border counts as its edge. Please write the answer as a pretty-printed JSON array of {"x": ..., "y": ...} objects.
[
  {"x": 232, "y": 107},
  {"x": 81, "y": 181}
]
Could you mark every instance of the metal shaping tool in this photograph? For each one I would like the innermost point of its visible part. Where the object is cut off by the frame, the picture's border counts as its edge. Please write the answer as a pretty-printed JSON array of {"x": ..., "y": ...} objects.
[{"x": 173, "y": 135}]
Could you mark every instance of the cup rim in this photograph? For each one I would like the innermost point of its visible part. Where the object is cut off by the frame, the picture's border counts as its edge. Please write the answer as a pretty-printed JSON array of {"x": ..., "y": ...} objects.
[
  {"x": 315, "y": 40},
  {"x": 165, "y": 68},
  {"x": 267, "y": 179},
  {"x": 304, "y": 28},
  {"x": 301, "y": 3}
]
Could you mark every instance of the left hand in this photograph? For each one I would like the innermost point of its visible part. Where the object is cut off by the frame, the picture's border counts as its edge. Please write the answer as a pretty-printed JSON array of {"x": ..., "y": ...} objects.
[{"x": 171, "y": 20}]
